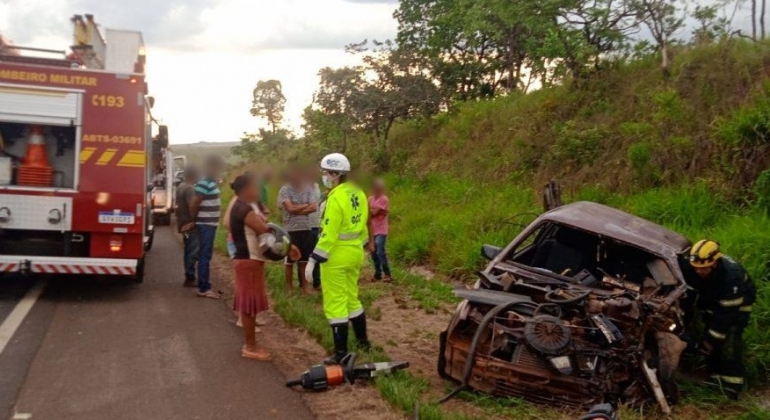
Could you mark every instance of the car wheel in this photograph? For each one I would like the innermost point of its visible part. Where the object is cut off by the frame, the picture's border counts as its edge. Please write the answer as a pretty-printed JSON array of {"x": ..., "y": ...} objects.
[{"x": 150, "y": 240}]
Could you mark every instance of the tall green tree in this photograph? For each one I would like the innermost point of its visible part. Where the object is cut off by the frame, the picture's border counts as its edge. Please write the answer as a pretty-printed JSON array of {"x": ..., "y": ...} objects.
[
  {"x": 463, "y": 62},
  {"x": 478, "y": 48},
  {"x": 268, "y": 102},
  {"x": 339, "y": 97},
  {"x": 663, "y": 18},
  {"x": 370, "y": 98}
]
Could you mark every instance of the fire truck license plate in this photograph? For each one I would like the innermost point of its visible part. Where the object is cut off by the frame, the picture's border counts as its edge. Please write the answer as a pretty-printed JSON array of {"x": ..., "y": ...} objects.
[{"x": 116, "y": 218}]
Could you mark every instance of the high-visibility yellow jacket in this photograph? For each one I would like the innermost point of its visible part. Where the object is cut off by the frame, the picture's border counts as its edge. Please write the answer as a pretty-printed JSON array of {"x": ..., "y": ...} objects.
[{"x": 343, "y": 222}]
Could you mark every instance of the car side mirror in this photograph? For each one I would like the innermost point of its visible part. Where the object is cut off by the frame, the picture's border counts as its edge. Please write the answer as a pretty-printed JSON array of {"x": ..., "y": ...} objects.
[{"x": 490, "y": 251}]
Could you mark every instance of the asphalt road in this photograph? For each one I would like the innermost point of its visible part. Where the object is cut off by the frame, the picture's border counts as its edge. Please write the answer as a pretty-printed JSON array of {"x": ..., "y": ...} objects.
[{"x": 107, "y": 349}]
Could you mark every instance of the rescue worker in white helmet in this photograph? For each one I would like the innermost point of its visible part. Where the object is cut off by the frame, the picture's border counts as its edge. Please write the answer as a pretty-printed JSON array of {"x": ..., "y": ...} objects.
[
  {"x": 340, "y": 253},
  {"x": 724, "y": 293}
]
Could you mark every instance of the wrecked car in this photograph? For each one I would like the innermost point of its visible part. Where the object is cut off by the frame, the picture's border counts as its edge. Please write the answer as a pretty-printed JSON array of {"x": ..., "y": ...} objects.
[{"x": 581, "y": 308}]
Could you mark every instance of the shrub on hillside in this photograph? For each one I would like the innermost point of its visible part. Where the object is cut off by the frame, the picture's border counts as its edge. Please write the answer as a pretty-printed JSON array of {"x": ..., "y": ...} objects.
[
  {"x": 640, "y": 158},
  {"x": 749, "y": 126}
]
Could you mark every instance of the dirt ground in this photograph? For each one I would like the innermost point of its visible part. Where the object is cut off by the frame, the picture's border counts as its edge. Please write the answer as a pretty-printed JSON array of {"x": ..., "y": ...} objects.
[
  {"x": 406, "y": 332},
  {"x": 294, "y": 351}
]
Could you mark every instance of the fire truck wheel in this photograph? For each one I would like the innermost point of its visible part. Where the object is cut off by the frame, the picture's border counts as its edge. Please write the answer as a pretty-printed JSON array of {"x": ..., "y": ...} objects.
[
  {"x": 150, "y": 240},
  {"x": 162, "y": 220},
  {"x": 139, "y": 276}
]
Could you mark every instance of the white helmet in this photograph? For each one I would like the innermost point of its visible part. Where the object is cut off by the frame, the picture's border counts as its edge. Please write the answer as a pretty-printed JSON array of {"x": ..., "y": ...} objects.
[
  {"x": 276, "y": 244},
  {"x": 335, "y": 162}
]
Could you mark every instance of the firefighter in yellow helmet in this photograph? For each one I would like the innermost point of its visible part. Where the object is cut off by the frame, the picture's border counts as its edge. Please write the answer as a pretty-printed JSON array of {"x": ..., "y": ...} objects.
[
  {"x": 340, "y": 252},
  {"x": 724, "y": 295}
]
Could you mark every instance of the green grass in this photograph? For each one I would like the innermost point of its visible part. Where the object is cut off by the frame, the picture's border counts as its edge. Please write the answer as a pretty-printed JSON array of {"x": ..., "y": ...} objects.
[
  {"x": 403, "y": 390},
  {"x": 407, "y": 392},
  {"x": 454, "y": 224},
  {"x": 429, "y": 295},
  {"x": 447, "y": 235},
  {"x": 685, "y": 151}
]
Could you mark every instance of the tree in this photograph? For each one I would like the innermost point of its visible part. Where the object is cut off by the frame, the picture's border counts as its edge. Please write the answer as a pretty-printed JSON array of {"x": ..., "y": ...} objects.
[
  {"x": 592, "y": 29},
  {"x": 711, "y": 25},
  {"x": 338, "y": 98},
  {"x": 397, "y": 90},
  {"x": 255, "y": 146},
  {"x": 478, "y": 48},
  {"x": 663, "y": 18},
  {"x": 268, "y": 102},
  {"x": 388, "y": 86},
  {"x": 465, "y": 62}
]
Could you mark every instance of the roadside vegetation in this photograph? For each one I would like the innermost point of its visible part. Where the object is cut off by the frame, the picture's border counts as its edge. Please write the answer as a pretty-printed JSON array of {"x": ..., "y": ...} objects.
[
  {"x": 690, "y": 151},
  {"x": 479, "y": 104}
]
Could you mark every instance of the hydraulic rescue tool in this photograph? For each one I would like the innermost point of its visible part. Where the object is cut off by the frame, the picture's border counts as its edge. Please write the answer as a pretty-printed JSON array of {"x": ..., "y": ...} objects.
[{"x": 320, "y": 377}]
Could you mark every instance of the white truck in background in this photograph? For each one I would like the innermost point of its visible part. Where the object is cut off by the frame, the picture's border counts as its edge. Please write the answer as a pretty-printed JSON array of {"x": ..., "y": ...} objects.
[{"x": 162, "y": 180}]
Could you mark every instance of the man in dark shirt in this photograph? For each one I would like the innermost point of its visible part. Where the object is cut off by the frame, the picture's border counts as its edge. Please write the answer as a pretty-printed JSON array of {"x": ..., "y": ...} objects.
[
  {"x": 725, "y": 293},
  {"x": 185, "y": 192}
]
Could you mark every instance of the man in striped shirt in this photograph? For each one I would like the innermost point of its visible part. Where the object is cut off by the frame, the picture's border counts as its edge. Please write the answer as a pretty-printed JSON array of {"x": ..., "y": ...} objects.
[{"x": 205, "y": 209}]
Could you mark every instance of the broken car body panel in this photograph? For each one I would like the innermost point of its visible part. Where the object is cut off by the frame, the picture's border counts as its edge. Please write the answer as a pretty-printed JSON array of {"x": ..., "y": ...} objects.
[{"x": 580, "y": 308}]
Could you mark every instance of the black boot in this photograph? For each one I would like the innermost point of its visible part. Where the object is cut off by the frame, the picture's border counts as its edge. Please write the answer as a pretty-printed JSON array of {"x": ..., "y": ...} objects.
[
  {"x": 359, "y": 328},
  {"x": 340, "y": 334}
]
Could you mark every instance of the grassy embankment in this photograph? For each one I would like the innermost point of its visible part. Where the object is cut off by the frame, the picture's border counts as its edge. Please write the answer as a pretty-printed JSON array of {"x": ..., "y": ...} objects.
[{"x": 690, "y": 151}]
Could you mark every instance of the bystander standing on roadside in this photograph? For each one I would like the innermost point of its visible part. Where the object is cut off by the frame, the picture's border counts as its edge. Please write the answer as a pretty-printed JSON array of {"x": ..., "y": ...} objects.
[
  {"x": 264, "y": 191},
  {"x": 379, "y": 210},
  {"x": 226, "y": 225},
  {"x": 247, "y": 223},
  {"x": 296, "y": 203},
  {"x": 314, "y": 218},
  {"x": 205, "y": 210},
  {"x": 185, "y": 192}
]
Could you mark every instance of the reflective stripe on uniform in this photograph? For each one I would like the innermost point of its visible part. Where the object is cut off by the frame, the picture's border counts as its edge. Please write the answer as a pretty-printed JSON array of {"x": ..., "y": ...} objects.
[
  {"x": 320, "y": 255},
  {"x": 356, "y": 313},
  {"x": 732, "y": 302},
  {"x": 745, "y": 308},
  {"x": 348, "y": 236},
  {"x": 735, "y": 380},
  {"x": 718, "y": 335},
  {"x": 334, "y": 321}
]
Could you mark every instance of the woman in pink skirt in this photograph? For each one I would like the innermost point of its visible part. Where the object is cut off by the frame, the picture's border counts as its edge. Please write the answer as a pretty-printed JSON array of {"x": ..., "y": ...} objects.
[{"x": 246, "y": 222}]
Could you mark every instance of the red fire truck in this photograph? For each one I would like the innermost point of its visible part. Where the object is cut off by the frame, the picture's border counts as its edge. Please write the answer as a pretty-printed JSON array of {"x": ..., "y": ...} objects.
[{"x": 75, "y": 138}]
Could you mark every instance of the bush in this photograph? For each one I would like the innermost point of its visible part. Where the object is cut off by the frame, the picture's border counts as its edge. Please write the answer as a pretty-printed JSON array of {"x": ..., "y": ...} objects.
[
  {"x": 749, "y": 125},
  {"x": 575, "y": 144},
  {"x": 640, "y": 157}
]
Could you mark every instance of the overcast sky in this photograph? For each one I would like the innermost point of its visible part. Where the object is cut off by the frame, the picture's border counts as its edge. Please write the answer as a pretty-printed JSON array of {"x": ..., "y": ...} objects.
[{"x": 204, "y": 57}]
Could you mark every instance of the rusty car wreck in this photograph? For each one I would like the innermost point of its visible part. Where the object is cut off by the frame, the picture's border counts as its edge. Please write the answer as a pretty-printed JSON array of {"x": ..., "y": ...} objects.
[{"x": 582, "y": 307}]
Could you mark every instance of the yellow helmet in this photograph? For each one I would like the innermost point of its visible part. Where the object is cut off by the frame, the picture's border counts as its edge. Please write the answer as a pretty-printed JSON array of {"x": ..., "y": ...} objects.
[{"x": 704, "y": 253}]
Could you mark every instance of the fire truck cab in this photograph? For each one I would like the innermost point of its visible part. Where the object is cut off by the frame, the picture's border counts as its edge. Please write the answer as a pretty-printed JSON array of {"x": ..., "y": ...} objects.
[{"x": 75, "y": 135}]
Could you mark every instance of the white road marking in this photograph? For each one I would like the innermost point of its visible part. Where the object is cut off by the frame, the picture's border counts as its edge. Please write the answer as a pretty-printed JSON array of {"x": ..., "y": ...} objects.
[
  {"x": 22, "y": 416},
  {"x": 16, "y": 317}
]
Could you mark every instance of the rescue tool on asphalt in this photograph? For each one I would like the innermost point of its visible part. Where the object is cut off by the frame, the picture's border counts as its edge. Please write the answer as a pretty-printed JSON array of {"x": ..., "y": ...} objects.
[
  {"x": 321, "y": 377},
  {"x": 77, "y": 156},
  {"x": 581, "y": 308}
]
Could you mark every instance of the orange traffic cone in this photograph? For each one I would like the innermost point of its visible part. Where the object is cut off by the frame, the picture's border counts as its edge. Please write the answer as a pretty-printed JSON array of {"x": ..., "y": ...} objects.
[{"x": 35, "y": 170}]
